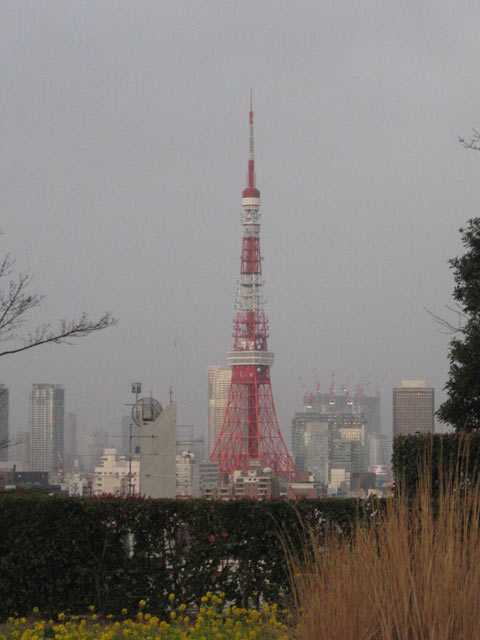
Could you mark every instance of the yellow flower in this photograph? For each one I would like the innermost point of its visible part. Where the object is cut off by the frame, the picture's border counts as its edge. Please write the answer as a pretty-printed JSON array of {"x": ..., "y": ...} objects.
[
  {"x": 173, "y": 615},
  {"x": 186, "y": 620},
  {"x": 171, "y": 597},
  {"x": 124, "y": 611},
  {"x": 142, "y": 604},
  {"x": 182, "y": 607},
  {"x": 35, "y": 610}
]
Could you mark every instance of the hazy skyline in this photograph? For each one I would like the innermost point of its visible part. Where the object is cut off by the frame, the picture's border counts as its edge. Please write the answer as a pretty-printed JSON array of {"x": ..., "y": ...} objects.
[{"x": 124, "y": 131}]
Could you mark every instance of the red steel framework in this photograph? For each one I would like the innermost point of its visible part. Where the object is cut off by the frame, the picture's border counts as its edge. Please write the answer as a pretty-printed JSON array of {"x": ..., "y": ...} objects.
[{"x": 250, "y": 430}]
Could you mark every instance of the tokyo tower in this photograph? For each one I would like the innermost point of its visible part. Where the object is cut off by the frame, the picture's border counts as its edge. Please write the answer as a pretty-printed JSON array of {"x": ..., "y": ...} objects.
[{"x": 250, "y": 430}]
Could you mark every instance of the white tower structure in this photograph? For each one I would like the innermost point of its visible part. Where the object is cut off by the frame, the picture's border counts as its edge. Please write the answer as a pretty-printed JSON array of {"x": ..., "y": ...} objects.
[{"x": 158, "y": 454}]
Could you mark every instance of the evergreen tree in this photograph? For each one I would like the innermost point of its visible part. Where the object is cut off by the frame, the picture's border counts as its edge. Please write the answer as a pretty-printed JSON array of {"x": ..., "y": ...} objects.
[{"x": 462, "y": 408}]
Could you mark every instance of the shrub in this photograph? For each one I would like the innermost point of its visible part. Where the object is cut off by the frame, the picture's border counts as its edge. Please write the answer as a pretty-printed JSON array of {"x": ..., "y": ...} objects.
[
  {"x": 441, "y": 455},
  {"x": 63, "y": 554}
]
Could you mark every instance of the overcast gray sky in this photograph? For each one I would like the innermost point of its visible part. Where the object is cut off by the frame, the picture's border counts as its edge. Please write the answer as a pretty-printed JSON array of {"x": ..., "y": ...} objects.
[{"x": 123, "y": 156}]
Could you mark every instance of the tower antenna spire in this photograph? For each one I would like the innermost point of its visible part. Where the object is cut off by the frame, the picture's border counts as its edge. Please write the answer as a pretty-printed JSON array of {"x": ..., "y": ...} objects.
[{"x": 251, "y": 190}]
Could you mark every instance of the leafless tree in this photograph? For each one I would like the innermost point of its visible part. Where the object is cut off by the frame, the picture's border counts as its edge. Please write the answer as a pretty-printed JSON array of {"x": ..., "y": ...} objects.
[
  {"x": 15, "y": 303},
  {"x": 473, "y": 143},
  {"x": 447, "y": 326}
]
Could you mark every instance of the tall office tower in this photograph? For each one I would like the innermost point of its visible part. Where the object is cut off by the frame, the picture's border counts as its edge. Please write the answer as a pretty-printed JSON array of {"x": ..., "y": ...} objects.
[
  {"x": 250, "y": 430},
  {"x": 47, "y": 415},
  {"x": 360, "y": 403},
  {"x": 413, "y": 408},
  {"x": 4, "y": 433},
  {"x": 19, "y": 452},
  {"x": 70, "y": 440},
  {"x": 342, "y": 423},
  {"x": 218, "y": 387},
  {"x": 317, "y": 449},
  {"x": 380, "y": 451},
  {"x": 99, "y": 441}
]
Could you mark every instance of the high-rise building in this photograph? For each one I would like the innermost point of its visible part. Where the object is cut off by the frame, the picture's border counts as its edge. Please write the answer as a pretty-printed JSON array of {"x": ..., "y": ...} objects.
[
  {"x": 413, "y": 408},
  {"x": 368, "y": 406},
  {"x": 70, "y": 440},
  {"x": 380, "y": 452},
  {"x": 4, "y": 433},
  {"x": 317, "y": 449},
  {"x": 47, "y": 415},
  {"x": 19, "y": 452},
  {"x": 218, "y": 386},
  {"x": 250, "y": 430},
  {"x": 99, "y": 441},
  {"x": 342, "y": 424}
]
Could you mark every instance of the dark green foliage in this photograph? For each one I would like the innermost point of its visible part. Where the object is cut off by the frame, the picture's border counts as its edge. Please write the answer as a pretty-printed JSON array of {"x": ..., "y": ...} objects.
[
  {"x": 462, "y": 407},
  {"x": 64, "y": 554},
  {"x": 439, "y": 455}
]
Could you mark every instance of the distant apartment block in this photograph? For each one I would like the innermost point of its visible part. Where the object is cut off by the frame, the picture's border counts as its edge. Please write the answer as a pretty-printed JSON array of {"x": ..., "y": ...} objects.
[
  {"x": 413, "y": 408},
  {"x": 218, "y": 388},
  {"x": 70, "y": 440},
  {"x": 47, "y": 414},
  {"x": 116, "y": 475},
  {"x": 187, "y": 477}
]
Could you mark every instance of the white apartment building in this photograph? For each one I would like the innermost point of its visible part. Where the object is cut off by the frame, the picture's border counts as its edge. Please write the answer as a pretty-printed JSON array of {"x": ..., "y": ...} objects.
[
  {"x": 218, "y": 388},
  {"x": 113, "y": 475},
  {"x": 47, "y": 415},
  {"x": 186, "y": 467}
]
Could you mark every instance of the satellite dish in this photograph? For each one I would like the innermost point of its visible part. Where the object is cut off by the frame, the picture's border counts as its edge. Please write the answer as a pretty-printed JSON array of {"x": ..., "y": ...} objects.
[{"x": 146, "y": 410}]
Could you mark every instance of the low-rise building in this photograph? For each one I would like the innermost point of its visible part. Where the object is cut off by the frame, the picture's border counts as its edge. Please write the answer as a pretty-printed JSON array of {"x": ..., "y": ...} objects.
[
  {"x": 115, "y": 475},
  {"x": 188, "y": 485}
]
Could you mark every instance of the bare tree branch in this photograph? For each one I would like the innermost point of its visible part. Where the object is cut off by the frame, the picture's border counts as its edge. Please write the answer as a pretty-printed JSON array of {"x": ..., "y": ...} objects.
[
  {"x": 448, "y": 326},
  {"x": 16, "y": 301},
  {"x": 66, "y": 330},
  {"x": 473, "y": 143},
  {"x": 8, "y": 442}
]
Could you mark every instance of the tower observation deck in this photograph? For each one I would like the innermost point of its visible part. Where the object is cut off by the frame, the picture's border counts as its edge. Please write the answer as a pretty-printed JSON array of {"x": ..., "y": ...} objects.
[{"x": 250, "y": 430}]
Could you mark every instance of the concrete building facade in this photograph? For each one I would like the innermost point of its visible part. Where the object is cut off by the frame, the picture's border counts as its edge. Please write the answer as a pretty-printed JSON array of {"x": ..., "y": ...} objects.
[
  {"x": 47, "y": 415},
  {"x": 218, "y": 388},
  {"x": 113, "y": 477},
  {"x": 70, "y": 440},
  {"x": 187, "y": 476},
  {"x": 158, "y": 455},
  {"x": 413, "y": 408}
]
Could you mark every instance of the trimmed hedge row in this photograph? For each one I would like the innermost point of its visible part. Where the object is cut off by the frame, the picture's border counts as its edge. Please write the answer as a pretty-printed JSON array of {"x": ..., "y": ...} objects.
[
  {"x": 64, "y": 554},
  {"x": 439, "y": 454}
]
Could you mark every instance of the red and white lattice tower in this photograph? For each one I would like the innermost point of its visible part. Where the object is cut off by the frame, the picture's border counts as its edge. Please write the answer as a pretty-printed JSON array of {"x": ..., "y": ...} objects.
[{"x": 250, "y": 430}]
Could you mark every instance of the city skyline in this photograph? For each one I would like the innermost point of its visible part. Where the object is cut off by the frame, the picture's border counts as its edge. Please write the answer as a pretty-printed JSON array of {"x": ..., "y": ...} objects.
[{"x": 120, "y": 164}]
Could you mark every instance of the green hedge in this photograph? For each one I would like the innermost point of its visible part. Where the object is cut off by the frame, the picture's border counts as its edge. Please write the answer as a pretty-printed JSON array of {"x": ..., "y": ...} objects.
[
  {"x": 64, "y": 554},
  {"x": 439, "y": 454}
]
